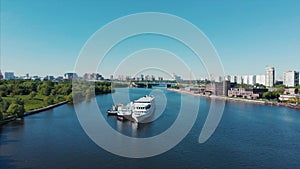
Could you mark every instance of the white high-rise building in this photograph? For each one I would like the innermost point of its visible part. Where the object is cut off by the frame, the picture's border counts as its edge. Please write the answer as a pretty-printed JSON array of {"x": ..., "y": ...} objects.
[
  {"x": 270, "y": 76},
  {"x": 261, "y": 79},
  {"x": 227, "y": 78},
  {"x": 239, "y": 79},
  {"x": 1, "y": 76},
  {"x": 252, "y": 79},
  {"x": 233, "y": 79},
  {"x": 177, "y": 77},
  {"x": 218, "y": 79},
  {"x": 245, "y": 79},
  {"x": 291, "y": 78}
]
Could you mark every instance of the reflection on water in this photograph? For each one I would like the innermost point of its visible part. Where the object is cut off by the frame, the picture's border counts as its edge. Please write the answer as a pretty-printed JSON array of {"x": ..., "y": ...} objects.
[{"x": 131, "y": 128}]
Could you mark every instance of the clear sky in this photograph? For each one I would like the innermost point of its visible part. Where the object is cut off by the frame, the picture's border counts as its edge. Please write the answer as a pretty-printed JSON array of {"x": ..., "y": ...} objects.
[{"x": 45, "y": 37}]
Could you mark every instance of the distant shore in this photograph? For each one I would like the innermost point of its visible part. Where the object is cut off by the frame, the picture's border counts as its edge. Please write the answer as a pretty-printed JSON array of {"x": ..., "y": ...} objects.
[{"x": 265, "y": 102}]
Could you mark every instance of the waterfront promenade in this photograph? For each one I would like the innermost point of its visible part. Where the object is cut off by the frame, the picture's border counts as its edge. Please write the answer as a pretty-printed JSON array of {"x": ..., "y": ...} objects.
[{"x": 265, "y": 102}]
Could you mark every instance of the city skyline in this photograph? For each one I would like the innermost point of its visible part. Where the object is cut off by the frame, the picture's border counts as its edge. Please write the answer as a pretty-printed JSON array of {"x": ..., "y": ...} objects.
[
  {"x": 238, "y": 78},
  {"x": 43, "y": 38}
]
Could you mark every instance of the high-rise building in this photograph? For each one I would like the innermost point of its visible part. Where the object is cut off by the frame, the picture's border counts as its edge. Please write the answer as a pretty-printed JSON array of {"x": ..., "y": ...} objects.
[
  {"x": 70, "y": 76},
  {"x": 233, "y": 79},
  {"x": 245, "y": 79},
  {"x": 217, "y": 78},
  {"x": 92, "y": 76},
  {"x": 49, "y": 77},
  {"x": 142, "y": 77},
  {"x": 153, "y": 77},
  {"x": 1, "y": 76},
  {"x": 270, "y": 76},
  {"x": 252, "y": 79},
  {"x": 291, "y": 78},
  {"x": 261, "y": 79},
  {"x": 9, "y": 75},
  {"x": 239, "y": 79},
  {"x": 176, "y": 77},
  {"x": 227, "y": 78},
  {"x": 148, "y": 78},
  {"x": 219, "y": 88}
]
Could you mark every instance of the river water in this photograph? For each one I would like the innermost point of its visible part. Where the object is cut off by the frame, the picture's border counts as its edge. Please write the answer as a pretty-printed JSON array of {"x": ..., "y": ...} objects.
[{"x": 248, "y": 136}]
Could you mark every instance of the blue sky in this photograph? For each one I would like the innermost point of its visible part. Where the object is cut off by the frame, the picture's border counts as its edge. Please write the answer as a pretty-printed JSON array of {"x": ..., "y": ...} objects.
[{"x": 45, "y": 37}]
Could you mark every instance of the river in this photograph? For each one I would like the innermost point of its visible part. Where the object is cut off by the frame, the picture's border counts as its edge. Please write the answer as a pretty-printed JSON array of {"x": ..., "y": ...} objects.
[{"x": 248, "y": 136}]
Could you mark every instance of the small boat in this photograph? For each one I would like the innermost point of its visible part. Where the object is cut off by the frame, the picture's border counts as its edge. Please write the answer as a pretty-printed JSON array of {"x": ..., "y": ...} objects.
[
  {"x": 114, "y": 109},
  {"x": 112, "y": 112},
  {"x": 124, "y": 110}
]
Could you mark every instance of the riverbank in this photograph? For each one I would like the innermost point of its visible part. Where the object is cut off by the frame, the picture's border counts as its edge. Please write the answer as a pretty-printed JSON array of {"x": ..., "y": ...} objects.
[
  {"x": 44, "y": 108},
  {"x": 31, "y": 112},
  {"x": 265, "y": 102}
]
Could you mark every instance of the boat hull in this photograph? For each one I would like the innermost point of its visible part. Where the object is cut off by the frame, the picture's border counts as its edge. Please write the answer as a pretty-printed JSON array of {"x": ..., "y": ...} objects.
[{"x": 145, "y": 118}]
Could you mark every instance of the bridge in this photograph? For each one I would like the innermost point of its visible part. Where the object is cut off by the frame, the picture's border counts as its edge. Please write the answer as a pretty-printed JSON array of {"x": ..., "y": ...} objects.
[{"x": 146, "y": 84}]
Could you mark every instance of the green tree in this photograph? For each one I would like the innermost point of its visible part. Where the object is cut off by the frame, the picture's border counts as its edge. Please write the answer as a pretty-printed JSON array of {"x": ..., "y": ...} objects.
[
  {"x": 32, "y": 94},
  {"x": 98, "y": 89},
  {"x": 279, "y": 86},
  {"x": 3, "y": 90},
  {"x": 18, "y": 101},
  {"x": 88, "y": 95},
  {"x": 30, "y": 85},
  {"x": 16, "y": 109},
  {"x": 3, "y": 105},
  {"x": 257, "y": 85},
  {"x": 244, "y": 86},
  {"x": 272, "y": 94},
  {"x": 70, "y": 97},
  {"x": 49, "y": 100},
  {"x": 105, "y": 89},
  {"x": 46, "y": 90}
]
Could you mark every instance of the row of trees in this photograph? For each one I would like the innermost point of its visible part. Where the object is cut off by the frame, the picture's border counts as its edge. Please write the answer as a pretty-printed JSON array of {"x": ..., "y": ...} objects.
[
  {"x": 270, "y": 95},
  {"x": 85, "y": 90},
  {"x": 46, "y": 92},
  {"x": 274, "y": 95},
  {"x": 28, "y": 87},
  {"x": 14, "y": 107}
]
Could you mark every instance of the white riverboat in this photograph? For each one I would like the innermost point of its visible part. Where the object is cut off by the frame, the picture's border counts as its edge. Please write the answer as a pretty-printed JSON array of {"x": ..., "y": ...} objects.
[{"x": 142, "y": 108}]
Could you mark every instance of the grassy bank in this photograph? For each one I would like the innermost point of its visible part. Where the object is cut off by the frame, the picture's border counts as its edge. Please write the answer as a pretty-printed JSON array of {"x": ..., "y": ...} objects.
[
  {"x": 32, "y": 103},
  {"x": 20, "y": 96}
]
